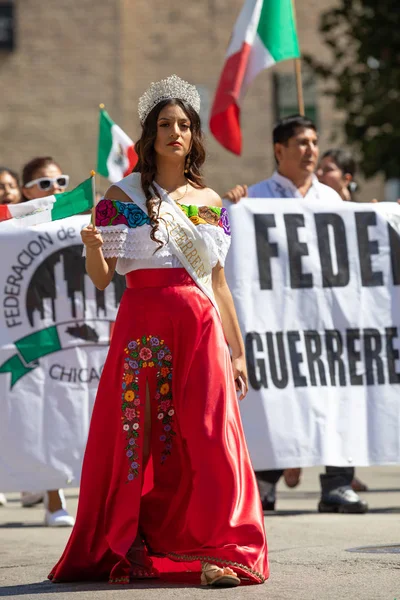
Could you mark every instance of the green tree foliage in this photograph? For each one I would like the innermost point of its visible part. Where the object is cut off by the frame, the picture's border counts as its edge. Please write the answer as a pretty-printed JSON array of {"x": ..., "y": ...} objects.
[{"x": 363, "y": 75}]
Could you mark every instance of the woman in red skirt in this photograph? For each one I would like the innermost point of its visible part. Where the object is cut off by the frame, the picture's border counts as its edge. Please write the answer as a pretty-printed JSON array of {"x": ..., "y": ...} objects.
[{"x": 167, "y": 484}]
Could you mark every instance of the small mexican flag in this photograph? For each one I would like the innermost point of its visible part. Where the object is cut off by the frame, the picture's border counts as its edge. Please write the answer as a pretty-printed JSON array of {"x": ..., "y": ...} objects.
[
  {"x": 50, "y": 208},
  {"x": 116, "y": 154},
  {"x": 264, "y": 34}
]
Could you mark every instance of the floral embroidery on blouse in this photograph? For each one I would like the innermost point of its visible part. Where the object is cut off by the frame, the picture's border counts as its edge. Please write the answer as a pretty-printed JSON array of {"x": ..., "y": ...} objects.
[
  {"x": 113, "y": 212},
  {"x": 211, "y": 215},
  {"x": 147, "y": 352}
]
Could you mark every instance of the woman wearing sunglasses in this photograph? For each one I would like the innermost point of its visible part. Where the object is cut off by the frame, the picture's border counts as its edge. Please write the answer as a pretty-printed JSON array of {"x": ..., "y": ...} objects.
[{"x": 43, "y": 177}]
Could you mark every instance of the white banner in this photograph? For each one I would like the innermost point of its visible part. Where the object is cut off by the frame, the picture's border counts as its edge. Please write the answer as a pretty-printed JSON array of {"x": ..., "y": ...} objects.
[
  {"x": 54, "y": 336},
  {"x": 317, "y": 291}
]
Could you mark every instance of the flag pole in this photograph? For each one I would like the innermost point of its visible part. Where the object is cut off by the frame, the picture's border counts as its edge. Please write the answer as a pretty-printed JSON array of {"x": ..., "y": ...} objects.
[
  {"x": 299, "y": 86},
  {"x": 93, "y": 176},
  {"x": 297, "y": 67}
]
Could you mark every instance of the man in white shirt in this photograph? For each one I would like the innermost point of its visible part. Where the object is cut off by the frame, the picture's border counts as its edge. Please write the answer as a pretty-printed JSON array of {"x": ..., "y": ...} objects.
[{"x": 296, "y": 152}]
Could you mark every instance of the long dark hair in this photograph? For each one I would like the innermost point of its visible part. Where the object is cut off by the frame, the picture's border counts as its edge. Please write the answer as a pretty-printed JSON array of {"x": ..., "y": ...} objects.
[{"x": 147, "y": 166}]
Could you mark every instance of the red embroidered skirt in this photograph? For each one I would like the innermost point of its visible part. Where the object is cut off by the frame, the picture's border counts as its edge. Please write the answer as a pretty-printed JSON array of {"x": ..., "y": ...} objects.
[{"x": 198, "y": 499}]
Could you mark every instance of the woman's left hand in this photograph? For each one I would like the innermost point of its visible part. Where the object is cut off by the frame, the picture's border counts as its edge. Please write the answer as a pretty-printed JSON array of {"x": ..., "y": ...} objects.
[{"x": 240, "y": 370}]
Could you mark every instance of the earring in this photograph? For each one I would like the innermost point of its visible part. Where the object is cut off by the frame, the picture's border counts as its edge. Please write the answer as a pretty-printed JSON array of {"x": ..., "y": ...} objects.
[{"x": 187, "y": 166}]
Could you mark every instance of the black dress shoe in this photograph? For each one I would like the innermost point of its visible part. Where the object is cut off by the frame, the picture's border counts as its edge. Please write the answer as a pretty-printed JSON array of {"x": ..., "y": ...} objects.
[
  {"x": 268, "y": 505},
  {"x": 342, "y": 500}
]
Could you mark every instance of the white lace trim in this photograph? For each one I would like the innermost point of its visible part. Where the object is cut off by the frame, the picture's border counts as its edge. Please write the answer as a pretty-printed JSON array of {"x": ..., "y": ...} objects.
[
  {"x": 121, "y": 241},
  {"x": 217, "y": 243}
]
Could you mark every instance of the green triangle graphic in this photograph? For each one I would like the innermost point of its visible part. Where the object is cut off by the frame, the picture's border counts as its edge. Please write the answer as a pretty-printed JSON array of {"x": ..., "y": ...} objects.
[
  {"x": 16, "y": 367},
  {"x": 38, "y": 344},
  {"x": 31, "y": 348}
]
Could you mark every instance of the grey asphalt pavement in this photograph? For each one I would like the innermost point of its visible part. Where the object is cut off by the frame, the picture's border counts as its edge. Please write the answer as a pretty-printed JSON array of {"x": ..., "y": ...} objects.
[{"x": 310, "y": 554}]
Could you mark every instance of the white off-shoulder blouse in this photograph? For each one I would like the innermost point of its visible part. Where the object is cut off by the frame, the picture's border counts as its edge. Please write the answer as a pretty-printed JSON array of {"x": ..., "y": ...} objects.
[{"x": 125, "y": 230}]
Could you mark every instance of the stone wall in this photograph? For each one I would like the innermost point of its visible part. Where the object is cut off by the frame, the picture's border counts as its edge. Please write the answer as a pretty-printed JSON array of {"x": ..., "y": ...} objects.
[{"x": 72, "y": 55}]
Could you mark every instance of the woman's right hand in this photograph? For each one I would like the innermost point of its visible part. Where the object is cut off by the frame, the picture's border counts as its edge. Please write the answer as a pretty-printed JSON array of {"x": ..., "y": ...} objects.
[{"x": 91, "y": 237}]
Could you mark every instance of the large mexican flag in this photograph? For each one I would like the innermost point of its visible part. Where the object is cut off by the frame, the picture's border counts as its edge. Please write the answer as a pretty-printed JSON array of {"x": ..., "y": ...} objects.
[
  {"x": 50, "y": 208},
  {"x": 116, "y": 154},
  {"x": 264, "y": 34}
]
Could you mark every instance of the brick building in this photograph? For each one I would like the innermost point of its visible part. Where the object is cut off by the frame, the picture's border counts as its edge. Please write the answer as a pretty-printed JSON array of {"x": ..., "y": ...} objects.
[{"x": 71, "y": 55}]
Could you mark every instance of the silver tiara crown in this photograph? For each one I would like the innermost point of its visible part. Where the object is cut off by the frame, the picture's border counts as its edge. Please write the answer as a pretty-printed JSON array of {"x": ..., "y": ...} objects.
[{"x": 166, "y": 89}]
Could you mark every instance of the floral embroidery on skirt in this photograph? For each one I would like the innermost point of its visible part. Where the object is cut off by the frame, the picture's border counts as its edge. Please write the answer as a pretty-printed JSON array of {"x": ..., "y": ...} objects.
[{"x": 146, "y": 352}]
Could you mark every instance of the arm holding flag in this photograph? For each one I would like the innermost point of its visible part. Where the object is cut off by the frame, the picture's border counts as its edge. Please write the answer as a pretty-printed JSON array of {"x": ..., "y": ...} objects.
[{"x": 100, "y": 270}]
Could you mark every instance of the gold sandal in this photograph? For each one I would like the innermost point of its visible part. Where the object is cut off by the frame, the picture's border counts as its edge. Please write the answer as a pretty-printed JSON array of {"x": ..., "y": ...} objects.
[
  {"x": 215, "y": 576},
  {"x": 141, "y": 563}
]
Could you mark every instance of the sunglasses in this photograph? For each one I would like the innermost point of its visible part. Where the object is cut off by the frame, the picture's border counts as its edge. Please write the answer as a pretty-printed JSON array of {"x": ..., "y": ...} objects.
[{"x": 45, "y": 183}]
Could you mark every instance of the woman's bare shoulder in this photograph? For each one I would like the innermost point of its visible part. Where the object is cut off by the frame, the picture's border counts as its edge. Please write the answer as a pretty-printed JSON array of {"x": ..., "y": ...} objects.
[
  {"x": 207, "y": 197},
  {"x": 115, "y": 193}
]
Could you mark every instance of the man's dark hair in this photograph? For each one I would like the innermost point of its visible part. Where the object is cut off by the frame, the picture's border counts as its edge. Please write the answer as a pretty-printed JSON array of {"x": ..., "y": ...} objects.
[{"x": 286, "y": 128}]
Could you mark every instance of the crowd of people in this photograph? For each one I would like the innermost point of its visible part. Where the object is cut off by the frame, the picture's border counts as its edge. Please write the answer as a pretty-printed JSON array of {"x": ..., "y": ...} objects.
[
  {"x": 296, "y": 151},
  {"x": 207, "y": 488},
  {"x": 41, "y": 177},
  {"x": 301, "y": 174}
]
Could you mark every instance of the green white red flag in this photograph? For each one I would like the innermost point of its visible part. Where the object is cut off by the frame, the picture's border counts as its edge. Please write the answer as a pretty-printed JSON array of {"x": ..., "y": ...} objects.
[
  {"x": 116, "y": 154},
  {"x": 264, "y": 34},
  {"x": 50, "y": 208}
]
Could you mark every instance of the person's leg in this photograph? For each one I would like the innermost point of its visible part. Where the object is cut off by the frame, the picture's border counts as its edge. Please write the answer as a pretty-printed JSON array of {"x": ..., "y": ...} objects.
[
  {"x": 54, "y": 501},
  {"x": 345, "y": 473},
  {"x": 358, "y": 485},
  {"x": 292, "y": 477},
  {"x": 56, "y": 514},
  {"x": 29, "y": 499},
  {"x": 267, "y": 481},
  {"x": 337, "y": 494}
]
